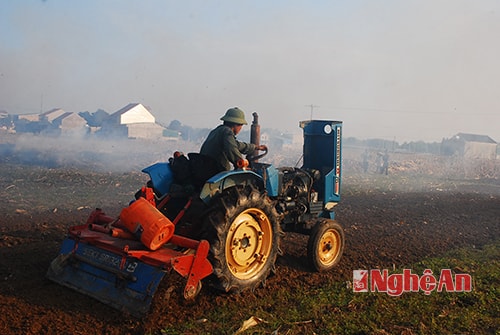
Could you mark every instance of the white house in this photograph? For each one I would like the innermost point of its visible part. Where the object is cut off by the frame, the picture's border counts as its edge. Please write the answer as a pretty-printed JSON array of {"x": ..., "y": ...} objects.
[
  {"x": 51, "y": 115},
  {"x": 29, "y": 117},
  {"x": 132, "y": 113},
  {"x": 470, "y": 146},
  {"x": 133, "y": 121},
  {"x": 71, "y": 123}
]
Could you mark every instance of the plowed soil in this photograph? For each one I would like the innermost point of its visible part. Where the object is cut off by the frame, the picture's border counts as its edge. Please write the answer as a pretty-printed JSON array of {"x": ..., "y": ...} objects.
[{"x": 385, "y": 226}]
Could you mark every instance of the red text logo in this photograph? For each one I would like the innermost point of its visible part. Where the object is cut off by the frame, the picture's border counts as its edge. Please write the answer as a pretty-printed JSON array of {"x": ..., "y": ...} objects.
[{"x": 397, "y": 283}]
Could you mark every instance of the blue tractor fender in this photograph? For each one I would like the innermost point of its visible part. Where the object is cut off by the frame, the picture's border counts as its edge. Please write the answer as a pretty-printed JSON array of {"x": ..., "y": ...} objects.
[{"x": 226, "y": 179}]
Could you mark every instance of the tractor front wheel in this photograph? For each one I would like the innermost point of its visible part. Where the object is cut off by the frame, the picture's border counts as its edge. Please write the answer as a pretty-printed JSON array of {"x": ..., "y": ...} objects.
[
  {"x": 243, "y": 232},
  {"x": 325, "y": 245}
]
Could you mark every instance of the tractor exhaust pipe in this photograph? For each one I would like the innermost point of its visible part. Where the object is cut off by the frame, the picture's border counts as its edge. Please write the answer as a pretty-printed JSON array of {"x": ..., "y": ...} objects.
[{"x": 255, "y": 133}]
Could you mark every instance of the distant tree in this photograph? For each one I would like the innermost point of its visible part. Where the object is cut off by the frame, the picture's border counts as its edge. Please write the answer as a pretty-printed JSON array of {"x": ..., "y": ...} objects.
[
  {"x": 95, "y": 119},
  {"x": 186, "y": 133},
  {"x": 422, "y": 147},
  {"x": 175, "y": 125},
  {"x": 378, "y": 143},
  {"x": 86, "y": 115},
  {"x": 100, "y": 116},
  {"x": 199, "y": 135},
  {"x": 353, "y": 141}
]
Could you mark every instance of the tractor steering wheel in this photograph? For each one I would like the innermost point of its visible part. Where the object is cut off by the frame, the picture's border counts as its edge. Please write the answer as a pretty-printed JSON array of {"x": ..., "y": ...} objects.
[{"x": 257, "y": 157}]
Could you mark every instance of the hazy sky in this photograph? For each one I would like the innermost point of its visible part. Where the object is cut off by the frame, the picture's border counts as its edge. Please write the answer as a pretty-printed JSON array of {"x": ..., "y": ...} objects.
[{"x": 400, "y": 69}]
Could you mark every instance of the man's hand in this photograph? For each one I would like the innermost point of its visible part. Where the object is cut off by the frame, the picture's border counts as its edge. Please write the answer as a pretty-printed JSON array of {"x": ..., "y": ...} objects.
[{"x": 262, "y": 147}]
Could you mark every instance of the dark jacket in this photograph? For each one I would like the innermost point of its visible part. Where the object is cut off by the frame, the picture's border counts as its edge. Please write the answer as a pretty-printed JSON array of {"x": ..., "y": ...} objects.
[{"x": 222, "y": 145}]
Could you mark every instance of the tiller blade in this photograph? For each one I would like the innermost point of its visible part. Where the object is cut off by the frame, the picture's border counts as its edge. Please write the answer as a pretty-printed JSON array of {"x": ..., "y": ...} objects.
[{"x": 123, "y": 273}]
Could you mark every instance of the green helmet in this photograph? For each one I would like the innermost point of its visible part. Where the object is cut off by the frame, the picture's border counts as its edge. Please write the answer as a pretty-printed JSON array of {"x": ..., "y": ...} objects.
[{"x": 234, "y": 115}]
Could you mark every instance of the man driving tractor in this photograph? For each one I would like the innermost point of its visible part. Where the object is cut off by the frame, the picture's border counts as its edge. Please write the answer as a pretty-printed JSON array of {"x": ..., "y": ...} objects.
[{"x": 222, "y": 145}]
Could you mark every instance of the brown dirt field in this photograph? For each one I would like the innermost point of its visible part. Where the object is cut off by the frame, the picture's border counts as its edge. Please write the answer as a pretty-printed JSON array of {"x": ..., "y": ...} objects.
[{"x": 384, "y": 228}]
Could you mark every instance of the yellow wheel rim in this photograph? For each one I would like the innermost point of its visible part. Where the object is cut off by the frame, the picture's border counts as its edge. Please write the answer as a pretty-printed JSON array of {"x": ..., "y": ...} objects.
[
  {"x": 248, "y": 243},
  {"x": 329, "y": 247}
]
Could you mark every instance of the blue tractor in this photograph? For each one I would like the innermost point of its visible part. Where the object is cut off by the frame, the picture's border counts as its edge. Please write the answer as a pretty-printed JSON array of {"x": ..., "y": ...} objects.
[{"x": 224, "y": 229}]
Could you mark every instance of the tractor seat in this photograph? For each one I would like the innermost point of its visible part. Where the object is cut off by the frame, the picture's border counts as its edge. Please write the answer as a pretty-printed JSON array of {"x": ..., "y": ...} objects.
[{"x": 193, "y": 170}]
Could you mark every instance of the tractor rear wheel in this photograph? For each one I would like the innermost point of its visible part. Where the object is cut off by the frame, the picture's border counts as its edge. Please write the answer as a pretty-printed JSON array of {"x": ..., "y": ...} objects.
[
  {"x": 325, "y": 245},
  {"x": 243, "y": 231}
]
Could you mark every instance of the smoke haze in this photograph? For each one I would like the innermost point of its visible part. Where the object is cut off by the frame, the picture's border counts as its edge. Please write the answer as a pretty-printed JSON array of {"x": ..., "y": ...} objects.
[{"x": 403, "y": 70}]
